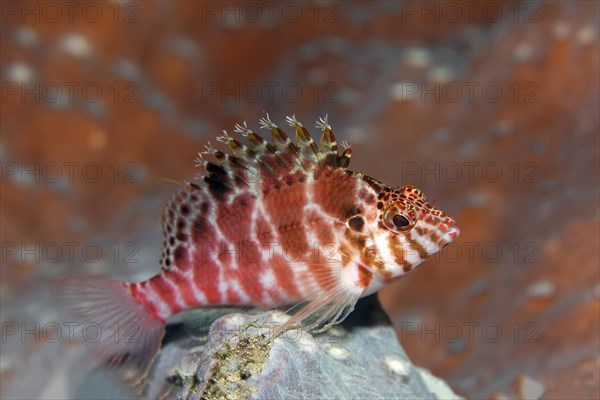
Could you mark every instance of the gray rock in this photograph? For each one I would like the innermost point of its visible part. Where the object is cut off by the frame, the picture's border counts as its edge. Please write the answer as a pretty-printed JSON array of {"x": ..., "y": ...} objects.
[{"x": 240, "y": 360}]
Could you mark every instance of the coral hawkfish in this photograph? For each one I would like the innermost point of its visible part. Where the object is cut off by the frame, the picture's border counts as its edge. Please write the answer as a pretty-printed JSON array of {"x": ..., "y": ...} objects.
[{"x": 271, "y": 223}]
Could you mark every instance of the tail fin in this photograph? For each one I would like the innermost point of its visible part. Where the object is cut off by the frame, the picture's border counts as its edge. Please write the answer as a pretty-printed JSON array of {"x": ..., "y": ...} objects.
[{"x": 117, "y": 329}]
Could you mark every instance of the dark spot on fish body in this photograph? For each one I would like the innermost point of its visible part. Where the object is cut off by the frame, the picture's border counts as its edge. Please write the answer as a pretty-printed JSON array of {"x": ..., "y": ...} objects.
[
  {"x": 416, "y": 246},
  {"x": 171, "y": 240},
  {"x": 352, "y": 211},
  {"x": 204, "y": 207},
  {"x": 406, "y": 267},
  {"x": 369, "y": 257},
  {"x": 331, "y": 159},
  {"x": 198, "y": 228},
  {"x": 180, "y": 224},
  {"x": 356, "y": 223},
  {"x": 217, "y": 171},
  {"x": 358, "y": 241},
  {"x": 182, "y": 237},
  {"x": 239, "y": 180},
  {"x": 217, "y": 187},
  {"x": 178, "y": 253},
  {"x": 421, "y": 231},
  {"x": 364, "y": 276},
  {"x": 184, "y": 209},
  {"x": 346, "y": 258}
]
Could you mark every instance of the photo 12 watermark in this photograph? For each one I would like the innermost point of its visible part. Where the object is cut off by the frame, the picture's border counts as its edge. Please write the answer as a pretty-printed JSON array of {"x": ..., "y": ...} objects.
[
  {"x": 469, "y": 172},
  {"x": 466, "y": 92},
  {"x": 270, "y": 12},
  {"x": 71, "y": 92},
  {"x": 70, "y": 252},
  {"x": 526, "y": 12},
  {"x": 70, "y": 172},
  {"x": 265, "y": 92},
  {"x": 469, "y": 332},
  {"x": 69, "y": 12}
]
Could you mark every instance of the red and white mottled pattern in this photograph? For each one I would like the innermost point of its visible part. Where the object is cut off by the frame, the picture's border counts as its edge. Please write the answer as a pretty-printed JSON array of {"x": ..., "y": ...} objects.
[
  {"x": 284, "y": 223},
  {"x": 272, "y": 224}
]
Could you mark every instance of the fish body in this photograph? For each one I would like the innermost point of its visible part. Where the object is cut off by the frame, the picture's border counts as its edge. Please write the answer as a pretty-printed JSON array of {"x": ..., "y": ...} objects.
[{"x": 271, "y": 224}]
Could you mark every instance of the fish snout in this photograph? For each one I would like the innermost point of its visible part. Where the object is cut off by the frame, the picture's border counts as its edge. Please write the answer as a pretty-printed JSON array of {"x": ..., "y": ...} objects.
[{"x": 449, "y": 231}]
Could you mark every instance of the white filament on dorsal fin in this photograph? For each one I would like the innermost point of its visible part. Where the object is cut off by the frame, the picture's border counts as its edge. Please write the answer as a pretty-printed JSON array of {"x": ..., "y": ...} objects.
[
  {"x": 293, "y": 121},
  {"x": 224, "y": 138},
  {"x": 345, "y": 144},
  {"x": 244, "y": 130},
  {"x": 200, "y": 161},
  {"x": 323, "y": 124},
  {"x": 209, "y": 149},
  {"x": 266, "y": 123}
]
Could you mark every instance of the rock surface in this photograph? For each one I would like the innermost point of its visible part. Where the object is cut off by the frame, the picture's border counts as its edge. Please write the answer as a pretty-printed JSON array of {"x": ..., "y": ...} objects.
[{"x": 239, "y": 361}]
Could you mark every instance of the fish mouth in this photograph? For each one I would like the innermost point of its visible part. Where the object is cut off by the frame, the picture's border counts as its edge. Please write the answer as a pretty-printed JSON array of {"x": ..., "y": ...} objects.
[{"x": 452, "y": 232}]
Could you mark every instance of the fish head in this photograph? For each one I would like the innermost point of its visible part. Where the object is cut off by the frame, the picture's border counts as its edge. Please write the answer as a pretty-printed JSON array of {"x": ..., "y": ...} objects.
[{"x": 408, "y": 229}]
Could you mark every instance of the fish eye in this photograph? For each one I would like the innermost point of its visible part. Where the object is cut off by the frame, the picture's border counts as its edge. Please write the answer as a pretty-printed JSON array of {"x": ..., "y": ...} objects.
[
  {"x": 400, "y": 221},
  {"x": 396, "y": 220}
]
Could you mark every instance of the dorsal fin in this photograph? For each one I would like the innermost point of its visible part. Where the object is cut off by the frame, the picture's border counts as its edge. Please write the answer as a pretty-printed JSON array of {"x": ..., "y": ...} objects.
[
  {"x": 281, "y": 141},
  {"x": 344, "y": 159},
  {"x": 274, "y": 162},
  {"x": 327, "y": 145},
  {"x": 304, "y": 140}
]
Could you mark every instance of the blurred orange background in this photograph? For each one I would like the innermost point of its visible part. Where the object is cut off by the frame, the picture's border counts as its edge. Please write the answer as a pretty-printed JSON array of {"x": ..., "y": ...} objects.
[{"x": 490, "y": 107}]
